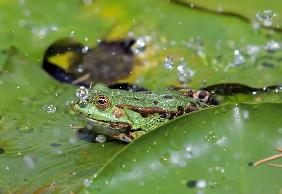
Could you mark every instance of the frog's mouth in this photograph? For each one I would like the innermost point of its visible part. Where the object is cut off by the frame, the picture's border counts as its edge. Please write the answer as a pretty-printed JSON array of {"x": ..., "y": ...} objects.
[{"x": 120, "y": 126}]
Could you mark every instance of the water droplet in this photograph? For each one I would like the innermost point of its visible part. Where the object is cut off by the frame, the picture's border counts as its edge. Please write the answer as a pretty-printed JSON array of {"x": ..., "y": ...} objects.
[
  {"x": 87, "y": 182},
  {"x": 82, "y": 93},
  {"x": 245, "y": 114},
  {"x": 265, "y": 17},
  {"x": 177, "y": 159},
  {"x": 272, "y": 46},
  {"x": 222, "y": 141},
  {"x": 82, "y": 104},
  {"x": 42, "y": 31},
  {"x": 168, "y": 64},
  {"x": 49, "y": 108},
  {"x": 165, "y": 158},
  {"x": 201, "y": 184},
  {"x": 7, "y": 168},
  {"x": 85, "y": 49},
  {"x": 101, "y": 138},
  {"x": 197, "y": 45},
  {"x": 210, "y": 137},
  {"x": 29, "y": 161},
  {"x": 72, "y": 140},
  {"x": 188, "y": 154},
  {"x": 71, "y": 33},
  {"x": 239, "y": 59},
  {"x": 252, "y": 49},
  {"x": 87, "y": 2},
  {"x": 184, "y": 73},
  {"x": 140, "y": 45}
]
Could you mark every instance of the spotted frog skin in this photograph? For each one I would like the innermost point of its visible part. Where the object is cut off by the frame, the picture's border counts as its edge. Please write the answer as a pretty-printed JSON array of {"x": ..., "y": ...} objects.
[{"x": 126, "y": 115}]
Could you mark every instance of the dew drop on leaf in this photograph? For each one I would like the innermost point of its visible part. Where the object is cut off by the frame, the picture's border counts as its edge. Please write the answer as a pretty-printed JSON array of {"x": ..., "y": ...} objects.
[
  {"x": 265, "y": 17},
  {"x": 49, "y": 108},
  {"x": 168, "y": 63},
  {"x": 272, "y": 46}
]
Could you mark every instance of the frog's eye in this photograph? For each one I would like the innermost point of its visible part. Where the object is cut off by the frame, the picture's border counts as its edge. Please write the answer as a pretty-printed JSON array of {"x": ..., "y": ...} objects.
[{"x": 102, "y": 102}]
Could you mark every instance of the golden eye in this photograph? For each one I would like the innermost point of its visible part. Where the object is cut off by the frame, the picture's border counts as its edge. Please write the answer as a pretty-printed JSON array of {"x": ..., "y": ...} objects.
[{"x": 102, "y": 102}]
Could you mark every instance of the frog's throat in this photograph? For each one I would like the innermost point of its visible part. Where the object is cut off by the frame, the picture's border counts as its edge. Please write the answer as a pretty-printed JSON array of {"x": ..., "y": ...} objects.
[{"x": 113, "y": 125}]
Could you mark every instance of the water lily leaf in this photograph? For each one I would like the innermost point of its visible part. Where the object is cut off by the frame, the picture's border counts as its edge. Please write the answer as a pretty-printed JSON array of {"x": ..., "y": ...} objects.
[
  {"x": 217, "y": 48},
  {"x": 210, "y": 151},
  {"x": 35, "y": 134},
  {"x": 245, "y": 9}
]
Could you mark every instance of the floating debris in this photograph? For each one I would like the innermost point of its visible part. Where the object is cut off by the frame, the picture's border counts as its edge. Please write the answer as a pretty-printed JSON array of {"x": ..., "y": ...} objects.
[
  {"x": 49, "y": 108},
  {"x": 169, "y": 64}
]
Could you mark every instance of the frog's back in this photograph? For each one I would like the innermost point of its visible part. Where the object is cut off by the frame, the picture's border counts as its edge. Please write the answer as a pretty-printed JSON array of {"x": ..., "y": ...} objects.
[{"x": 167, "y": 100}]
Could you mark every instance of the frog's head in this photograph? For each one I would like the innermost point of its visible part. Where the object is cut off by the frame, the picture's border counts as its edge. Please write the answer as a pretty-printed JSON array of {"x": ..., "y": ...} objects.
[{"x": 99, "y": 108}]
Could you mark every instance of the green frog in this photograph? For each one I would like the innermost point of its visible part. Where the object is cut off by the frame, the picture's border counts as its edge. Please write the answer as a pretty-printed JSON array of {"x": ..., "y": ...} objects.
[{"x": 126, "y": 115}]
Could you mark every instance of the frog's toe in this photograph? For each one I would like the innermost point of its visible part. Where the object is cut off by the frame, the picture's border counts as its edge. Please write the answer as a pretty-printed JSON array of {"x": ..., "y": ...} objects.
[{"x": 123, "y": 137}]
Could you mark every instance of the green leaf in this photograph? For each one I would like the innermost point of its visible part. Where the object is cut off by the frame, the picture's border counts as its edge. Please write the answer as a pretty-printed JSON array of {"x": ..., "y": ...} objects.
[
  {"x": 214, "y": 146},
  {"x": 206, "y": 41},
  {"x": 41, "y": 151}
]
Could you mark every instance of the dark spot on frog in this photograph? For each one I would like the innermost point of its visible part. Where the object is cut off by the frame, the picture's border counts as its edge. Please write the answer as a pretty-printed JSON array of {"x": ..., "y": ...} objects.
[
  {"x": 166, "y": 115},
  {"x": 180, "y": 110},
  {"x": 202, "y": 94},
  {"x": 155, "y": 102},
  {"x": 2, "y": 150},
  {"x": 148, "y": 92},
  {"x": 191, "y": 184},
  {"x": 144, "y": 115},
  {"x": 167, "y": 97},
  {"x": 55, "y": 144}
]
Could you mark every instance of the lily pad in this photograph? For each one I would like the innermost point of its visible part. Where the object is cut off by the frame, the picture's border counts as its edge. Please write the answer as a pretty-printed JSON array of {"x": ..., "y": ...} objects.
[
  {"x": 35, "y": 133},
  {"x": 40, "y": 152},
  {"x": 210, "y": 151}
]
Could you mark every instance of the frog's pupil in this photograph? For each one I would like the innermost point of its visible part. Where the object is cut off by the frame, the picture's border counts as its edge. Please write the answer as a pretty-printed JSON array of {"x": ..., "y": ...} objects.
[{"x": 102, "y": 102}]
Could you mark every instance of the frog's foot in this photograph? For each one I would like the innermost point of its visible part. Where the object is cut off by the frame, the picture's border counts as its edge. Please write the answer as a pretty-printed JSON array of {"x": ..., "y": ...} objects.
[
  {"x": 123, "y": 137},
  {"x": 201, "y": 95},
  {"x": 128, "y": 137}
]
